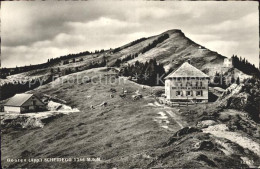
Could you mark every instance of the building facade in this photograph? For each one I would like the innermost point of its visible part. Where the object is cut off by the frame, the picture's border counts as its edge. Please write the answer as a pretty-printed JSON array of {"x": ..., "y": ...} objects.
[
  {"x": 187, "y": 84},
  {"x": 228, "y": 62},
  {"x": 24, "y": 103}
]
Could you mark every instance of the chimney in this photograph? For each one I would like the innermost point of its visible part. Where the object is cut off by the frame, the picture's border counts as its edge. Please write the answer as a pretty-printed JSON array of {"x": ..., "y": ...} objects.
[{"x": 188, "y": 61}]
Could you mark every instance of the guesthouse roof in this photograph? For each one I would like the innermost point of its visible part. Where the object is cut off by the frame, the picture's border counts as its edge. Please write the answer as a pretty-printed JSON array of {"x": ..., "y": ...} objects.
[{"x": 186, "y": 70}]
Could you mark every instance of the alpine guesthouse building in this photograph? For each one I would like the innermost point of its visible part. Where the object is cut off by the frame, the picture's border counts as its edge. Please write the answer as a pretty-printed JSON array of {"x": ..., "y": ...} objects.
[{"x": 187, "y": 84}]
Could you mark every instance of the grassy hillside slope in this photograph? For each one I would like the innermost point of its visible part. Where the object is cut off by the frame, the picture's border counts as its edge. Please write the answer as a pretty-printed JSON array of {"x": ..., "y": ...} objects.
[{"x": 116, "y": 133}]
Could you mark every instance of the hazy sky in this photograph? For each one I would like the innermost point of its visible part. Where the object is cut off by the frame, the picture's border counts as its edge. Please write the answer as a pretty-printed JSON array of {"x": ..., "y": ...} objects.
[{"x": 33, "y": 31}]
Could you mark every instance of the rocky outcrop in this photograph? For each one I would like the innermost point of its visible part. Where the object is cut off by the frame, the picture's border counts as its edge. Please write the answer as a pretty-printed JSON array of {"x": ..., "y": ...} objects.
[
  {"x": 206, "y": 123},
  {"x": 179, "y": 134},
  {"x": 29, "y": 122},
  {"x": 238, "y": 101},
  {"x": 244, "y": 97}
]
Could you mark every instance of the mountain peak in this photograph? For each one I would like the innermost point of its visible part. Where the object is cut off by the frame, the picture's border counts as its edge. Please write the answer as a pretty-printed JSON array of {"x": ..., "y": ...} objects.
[
  {"x": 171, "y": 52},
  {"x": 172, "y": 31}
]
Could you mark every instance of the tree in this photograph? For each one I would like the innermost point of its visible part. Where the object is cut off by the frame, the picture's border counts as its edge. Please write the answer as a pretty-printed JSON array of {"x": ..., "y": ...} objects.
[
  {"x": 216, "y": 79},
  {"x": 233, "y": 80},
  {"x": 65, "y": 62},
  {"x": 146, "y": 73},
  {"x": 238, "y": 81},
  {"x": 68, "y": 71},
  {"x": 223, "y": 82},
  {"x": 117, "y": 62},
  {"x": 245, "y": 66}
]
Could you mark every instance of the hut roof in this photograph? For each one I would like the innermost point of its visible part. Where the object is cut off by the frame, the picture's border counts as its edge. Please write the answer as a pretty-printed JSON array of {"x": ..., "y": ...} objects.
[{"x": 18, "y": 99}]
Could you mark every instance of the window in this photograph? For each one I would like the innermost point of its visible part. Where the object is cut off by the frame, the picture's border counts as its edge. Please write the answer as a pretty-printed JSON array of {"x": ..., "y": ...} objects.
[
  {"x": 178, "y": 93},
  {"x": 200, "y": 83},
  {"x": 188, "y": 93},
  {"x": 199, "y": 93},
  {"x": 34, "y": 102},
  {"x": 188, "y": 84},
  {"x": 196, "y": 84}
]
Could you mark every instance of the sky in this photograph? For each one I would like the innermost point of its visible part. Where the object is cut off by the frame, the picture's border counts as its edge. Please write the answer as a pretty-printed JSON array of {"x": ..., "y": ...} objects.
[{"x": 34, "y": 31}]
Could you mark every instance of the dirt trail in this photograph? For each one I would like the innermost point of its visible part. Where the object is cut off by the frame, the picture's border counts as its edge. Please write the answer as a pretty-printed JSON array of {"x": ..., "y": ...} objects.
[
  {"x": 172, "y": 113},
  {"x": 174, "y": 117},
  {"x": 221, "y": 130}
]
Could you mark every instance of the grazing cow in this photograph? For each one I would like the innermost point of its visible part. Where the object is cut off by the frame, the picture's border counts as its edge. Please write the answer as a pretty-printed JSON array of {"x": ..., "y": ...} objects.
[
  {"x": 122, "y": 95},
  {"x": 112, "y": 90},
  {"x": 137, "y": 97},
  {"x": 103, "y": 104}
]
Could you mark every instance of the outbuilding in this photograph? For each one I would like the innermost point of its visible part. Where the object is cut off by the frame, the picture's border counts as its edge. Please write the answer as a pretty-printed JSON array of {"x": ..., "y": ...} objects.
[
  {"x": 24, "y": 103},
  {"x": 228, "y": 62}
]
